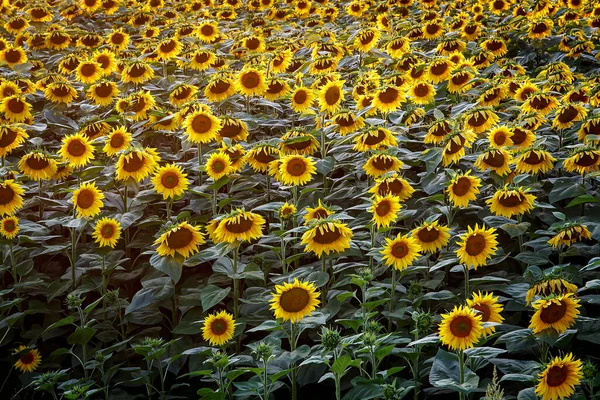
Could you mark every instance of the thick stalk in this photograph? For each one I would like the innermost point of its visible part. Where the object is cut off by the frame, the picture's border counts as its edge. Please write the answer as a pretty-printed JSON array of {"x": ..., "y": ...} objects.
[
  {"x": 235, "y": 283},
  {"x": 73, "y": 255},
  {"x": 126, "y": 229},
  {"x": 294, "y": 372},
  {"x": 461, "y": 366},
  {"x": 283, "y": 259},
  {"x": 392, "y": 295},
  {"x": 169, "y": 207},
  {"x": 214, "y": 202},
  {"x": 199, "y": 164},
  {"x": 265, "y": 381},
  {"x": 467, "y": 290},
  {"x": 324, "y": 270},
  {"x": 40, "y": 200}
]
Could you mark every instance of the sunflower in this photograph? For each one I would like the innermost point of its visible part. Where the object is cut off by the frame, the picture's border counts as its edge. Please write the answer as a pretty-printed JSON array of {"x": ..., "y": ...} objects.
[
  {"x": 540, "y": 103},
  {"x": 480, "y": 120},
  {"x": 296, "y": 170},
  {"x": 233, "y": 129},
  {"x": 522, "y": 138},
  {"x": 439, "y": 70},
  {"x": 15, "y": 25},
  {"x": 254, "y": 43},
  {"x": 379, "y": 164},
  {"x": 454, "y": 146},
  {"x": 385, "y": 210},
  {"x": 107, "y": 232},
  {"x": 463, "y": 188},
  {"x": 559, "y": 378},
  {"x": 294, "y": 301},
  {"x": 461, "y": 328},
  {"x": 500, "y": 136},
  {"x": 16, "y": 108},
  {"x": 11, "y": 137},
  {"x": 331, "y": 96},
  {"x": 302, "y": 98},
  {"x": 550, "y": 286},
  {"x": 169, "y": 180},
  {"x": 77, "y": 150},
  {"x": 583, "y": 161},
  {"x": 437, "y": 132},
  {"x": 87, "y": 200},
  {"x": 366, "y": 39},
  {"x": 460, "y": 81},
  {"x": 9, "y": 227},
  {"x": 207, "y": 31},
  {"x": 507, "y": 202},
  {"x": 431, "y": 236},
  {"x": 286, "y": 211},
  {"x": 375, "y": 138},
  {"x": 218, "y": 165},
  {"x": 8, "y": 88},
  {"x": 558, "y": 313},
  {"x": 534, "y": 161},
  {"x": 318, "y": 212},
  {"x": 141, "y": 102},
  {"x": 250, "y": 82},
  {"x": 137, "y": 164},
  {"x": 13, "y": 56},
  {"x": 488, "y": 308},
  {"x": 567, "y": 115},
  {"x": 493, "y": 96},
  {"x": 137, "y": 72},
  {"x": 570, "y": 234},
  {"x": 37, "y": 166},
  {"x": 182, "y": 239},
  {"x": 590, "y": 127},
  {"x": 260, "y": 156},
  {"x": 236, "y": 154},
  {"x": 29, "y": 359},
  {"x": 219, "y": 88},
  {"x": 281, "y": 61},
  {"x": 89, "y": 71},
  {"x": 218, "y": 328},
  {"x": 540, "y": 29},
  {"x": 103, "y": 93},
  {"x": 10, "y": 197},
  {"x": 201, "y": 60},
  {"x": 298, "y": 142},
  {"x": 476, "y": 246},
  {"x": 392, "y": 183},
  {"x": 276, "y": 88},
  {"x": 497, "y": 160},
  {"x": 239, "y": 225},
  {"x": 107, "y": 61},
  {"x": 422, "y": 93},
  {"x": 118, "y": 139},
  {"x": 118, "y": 39},
  {"x": 388, "y": 98},
  {"x": 327, "y": 236},
  {"x": 168, "y": 48},
  {"x": 58, "y": 40},
  {"x": 182, "y": 94},
  {"x": 201, "y": 127}
]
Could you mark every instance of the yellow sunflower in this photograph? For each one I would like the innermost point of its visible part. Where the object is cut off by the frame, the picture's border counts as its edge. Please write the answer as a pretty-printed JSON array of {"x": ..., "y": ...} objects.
[
  {"x": 16, "y": 108},
  {"x": 392, "y": 183},
  {"x": 497, "y": 160},
  {"x": 201, "y": 127},
  {"x": 385, "y": 210},
  {"x": 236, "y": 154},
  {"x": 11, "y": 137},
  {"x": 107, "y": 61},
  {"x": 461, "y": 328},
  {"x": 331, "y": 96},
  {"x": 488, "y": 307},
  {"x": 77, "y": 150},
  {"x": 302, "y": 98},
  {"x": 379, "y": 164},
  {"x": 232, "y": 128},
  {"x": 388, "y": 99},
  {"x": 89, "y": 71},
  {"x": 13, "y": 55},
  {"x": 480, "y": 120},
  {"x": 182, "y": 94},
  {"x": 260, "y": 156},
  {"x": 463, "y": 188},
  {"x": 401, "y": 251},
  {"x": 219, "y": 88},
  {"x": 583, "y": 161},
  {"x": 568, "y": 115},
  {"x": 508, "y": 202},
  {"x": 558, "y": 313},
  {"x": 107, "y": 232},
  {"x": 549, "y": 287},
  {"x": 137, "y": 72},
  {"x": 540, "y": 103},
  {"x": 286, "y": 211},
  {"x": 294, "y": 301},
  {"x": 590, "y": 127},
  {"x": 207, "y": 31},
  {"x": 118, "y": 139},
  {"x": 296, "y": 170},
  {"x": 500, "y": 136},
  {"x": 103, "y": 93},
  {"x": 60, "y": 92},
  {"x": 250, "y": 82},
  {"x": 29, "y": 359},
  {"x": 298, "y": 142},
  {"x": 37, "y": 166},
  {"x": 476, "y": 246},
  {"x": 218, "y": 328},
  {"x": 534, "y": 161},
  {"x": 218, "y": 165},
  {"x": 182, "y": 239},
  {"x": 522, "y": 138},
  {"x": 137, "y": 164},
  {"x": 375, "y": 138},
  {"x": 118, "y": 39},
  {"x": 318, "y": 212},
  {"x": 327, "y": 236},
  {"x": 455, "y": 144},
  {"x": 431, "y": 236},
  {"x": 366, "y": 39},
  {"x": 239, "y": 225},
  {"x": 141, "y": 102},
  {"x": 559, "y": 378},
  {"x": 201, "y": 60},
  {"x": 170, "y": 181},
  {"x": 347, "y": 122},
  {"x": 422, "y": 93},
  {"x": 570, "y": 234},
  {"x": 87, "y": 200},
  {"x": 168, "y": 48},
  {"x": 9, "y": 226}
]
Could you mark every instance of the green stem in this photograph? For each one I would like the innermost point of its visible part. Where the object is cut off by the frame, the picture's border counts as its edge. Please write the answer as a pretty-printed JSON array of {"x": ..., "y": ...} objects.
[
  {"x": 40, "y": 200},
  {"x": 169, "y": 207},
  {"x": 294, "y": 372},
  {"x": 392, "y": 295},
  {"x": 265, "y": 381},
  {"x": 162, "y": 381},
  {"x": 324, "y": 270},
  {"x": 461, "y": 366},
  {"x": 235, "y": 283},
  {"x": 104, "y": 285},
  {"x": 73, "y": 255},
  {"x": 125, "y": 199},
  {"x": 214, "y": 202},
  {"x": 84, "y": 355},
  {"x": 373, "y": 232},
  {"x": 199, "y": 164},
  {"x": 467, "y": 290},
  {"x": 283, "y": 258},
  {"x": 174, "y": 309}
]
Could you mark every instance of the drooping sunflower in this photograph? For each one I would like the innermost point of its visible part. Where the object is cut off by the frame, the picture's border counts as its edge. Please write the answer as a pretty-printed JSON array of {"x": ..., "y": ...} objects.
[
  {"x": 590, "y": 127},
  {"x": 461, "y": 328},
  {"x": 103, "y": 93},
  {"x": 281, "y": 61},
  {"x": 460, "y": 81},
  {"x": 201, "y": 60},
  {"x": 455, "y": 144},
  {"x": 219, "y": 88},
  {"x": 239, "y": 225},
  {"x": 379, "y": 164},
  {"x": 388, "y": 99},
  {"x": 331, "y": 96},
  {"x": 298, "y": 142},
  {"x": 118, "y": 139},
  {"x": 236, "y": 154},
  {"x": 250, "y": 82},
  {"x": 476, "y": 246},
  {"x": 11, "y": 137},
  {"x": 218, "y": 165},
  {"x": 276, "y": 88},
  {"x": 583, "y": 161},
  {"x": 488, "y": 307},
  {"x": 294, "y": 301},
  {"x": 558, "y": 313},
  {"x": 437, "y": 132},
  {"x": 107, "y": 232},
  {"x": 170, "y": 181},
  {"x": 302, "y": 98},
  {"x": 318, "y": 212},
  {"x": 398, "y": 47},
  {"x": 60, "y": 92},
  {"x": 137, "y": 164},
  {"x": 37, "y": 166},
  {"x": 218, "y": 328},
  {"x": 463, "y": 188},
  {"x": 9, "y": 227},
  {"x": 347, "y": 122},
  {"x": 327, "y": 236},
  {"x": 540, "y": 103},
  {"x": 385, "y": 210},
  {"x": 260, "y": 156},
  {"x": 87, "y": 200},
  {"x": 568, "y": 115},
  {"x": 16, "y": 108},
  {"x": 183, "y": 239},
  {"x": 508, "y": 202},
  {"x": 401, "y": 251},
  {"x": 77, "y": 150},
  {"x": 480, "y": 119},
  {"x": 366, "y": 39},
  {"x": 29, "y": 359},
  {"x": 493, "y": 96},
  {"x": 559, "y": 378},
  {"x": 497, "y": 160},
  {"x": 182, "y": 94},
  {"x": 439, "y": 70},
  {"x": 13, "y": 55},
  {"x": 141, "y": 102},
  {"x": 375, "y": 138},
  {"x": 201, "y": 127},
  {"x": 431, "y": 236},
  {"x": 296, "y": 169},
  {"x": 540, "y": 29},
  {"x": 287, "y": 210},
  {"x": 522, "y": 138},
  {"x": 569, "y": 234},
  {"x": 392, "y": 183},
  {"x": 232, "y": 128},
  {"x": 137, "y": 72},
  {"x": 534, "y": 161},
  {"x": 548, "y": 287},
  {"x": 168, "y": 48}
]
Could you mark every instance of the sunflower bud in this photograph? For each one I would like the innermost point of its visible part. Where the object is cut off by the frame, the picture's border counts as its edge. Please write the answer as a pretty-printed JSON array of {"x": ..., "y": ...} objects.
[
  {"x": 330, "y": 339},
  {"x": 264, "y": 351},
  {"x": 73, "y": 301},
  {"x": 390, "y": 392},
  {"x": 111, "y": 297},
  {"x": 423, "y": 321},
  {"x": 373, "y": 327},
  {"x": 220, "y": 360},
  {"x": 369, "y": 338},
  {"x": 589, "y": 370},
  {"x": 414, "y": 290}
]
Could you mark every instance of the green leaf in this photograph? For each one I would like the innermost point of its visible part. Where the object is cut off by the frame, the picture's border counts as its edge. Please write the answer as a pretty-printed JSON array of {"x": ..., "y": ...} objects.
[
  {"x": 81, "y": 336},
  {"x": 565, "y": 188},
  {"x": 212, "y": 295},
  {"x": 65, "y": 321},
  {"x": 585, "y": 198},
  {"x": 169, "y": 265},
  {"x": 531, "y": 258},
  {"x": 152, "y": 291},
  {"x": 445, "y": 373},
  {"x": 341, "y": 365}
]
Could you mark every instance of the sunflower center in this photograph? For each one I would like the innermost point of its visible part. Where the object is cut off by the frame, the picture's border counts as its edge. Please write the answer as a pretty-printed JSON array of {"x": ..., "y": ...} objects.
[
  {"x": 372, "y": 140},
  {"x": 250, "y": 80},
  {"x": 107, "y": 231},
  {"x": 475, "y": 245},
  {"x": 300, "y": 145},
  {"x": 76, "y": 148},
  {"x": 557, "y": 375},
  {"x": 252, "y": 43},
  {"x": 428, "y": 235},
  {"x": 383, "y": 208},
  {"x": 117, "y": 38},
  {"x": 460, "y": 79},
  {"x": 201, "y": 124},
  {"x": 500, "y": 138},
  {"x": 461, "y": 186},
  {"x": 230, "y": 129},
  {"x": 296, "y": 167},
  {"x": 58, "y": 38},
  {"x": 169, "y": 180},
  {"x": 37, "y": 163},
  {"x": 421, "y": 90},
  {"x": 88, "y": 70},
  {"x": 383, "y": 163},
  {"x": 539, "y": 28},
  {"x": 242, "y": 225},
  {"x": 553, "y": 313},
  {"x": 9, "y": 225},
  {"x": 183, "y": 93},
  {"x": 103, "y": 90},
  {"x": 484, "y": 310},
  {"x": 168, "y": 47},
  {"x": 134, "y": 163},
  {"x": 441, "y": 129},
  {"x": 394, "y": 187},
  {"x": 137, "y": 70},
  {"x": 587, "y": 159},
  {"x": 17, "y": 23},
  {"x": 492, "y": 95},
  {"x": 220, "y": 87},
  {"x": 568, "y": 115},
  {"x": 218, "y": 166},
  {"x": 511, "y": 200},
  {"x": 60, "y": 91},
  {"x": 494, "y": 159},
  {"x": 12, "y": 56},
  {"x": 201, "y": 58},
  {"x": 327, "y": 236},
  {"x": 539, "y": 103},
  {"x": 218, "y": 326},
  {"x": 294, "y": 300},
  {"x": 461, "y": 326},
  {"x": 16, "y": 106},
  {"x": 6, "y": 194},
  {"x": 263, "y": 157},
  {"x": 8, "y": 91},
  {"x": 27, "y": 358},
  {"x": 7, "y": 138},
  {"x": 400, "y": 250},
  {"x": 525, "y": 93},
  {"x": 366, "y": 38},
  {"x": 275, "y": 87},
  {"x": 139, "y": 104},
  {"x": 179, "y": 239},
  {"x": 85, "y": 199},
  {"x": 494, "y": 45},
  {"x": 519, "y": 136},
  {"x": 478, "y": 120},
  {"x": 438, "y": 69},
  {"x": 332, "y": 95},
  {"x": 117, "y": 141},
  {"x": 534, "y": 159},
  {"x": 320, "y": 213},
  {"x": 207, "y": 30},
  {"x": 389, "y": 95},
  {"x": 593, "y": 128},
  {"x": 300, "y": 97}
]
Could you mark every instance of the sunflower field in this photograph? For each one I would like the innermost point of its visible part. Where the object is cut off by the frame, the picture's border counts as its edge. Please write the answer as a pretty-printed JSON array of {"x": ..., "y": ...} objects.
[{"x": 300, "y": 199}]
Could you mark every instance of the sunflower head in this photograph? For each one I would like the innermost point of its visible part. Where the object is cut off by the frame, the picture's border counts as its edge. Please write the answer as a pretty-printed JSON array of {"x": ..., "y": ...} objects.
[
  {"x": 431, "y": 236},
  {"x": 477, "y": 245},
  {"x": 170, "y": 181},
  {"x": 218, "y": 328},
  {"x": 239, "y": 225},
  {"x": 461, "y": 328},
  {"x": 559, "y": 378},
  {"x": 401, "y": 251},
  {"x": 294, "y": 301},
  {"x": 107, "y": 232},
  {"x": 385, "y": 210},
  {"x": 549, "y": 286},
  {"x": 488, "y": 307},
  {"x": 287, "y": 211},
  {"x": 327, "y": 235},
  {"x": 556, "y": 313},
  {"x": 9, "y": 227},
  {"x": 182, "y": 239},
  {"x": 29, "y": 359}
]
